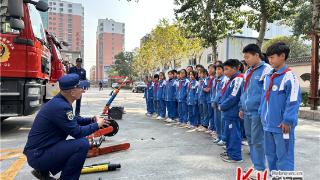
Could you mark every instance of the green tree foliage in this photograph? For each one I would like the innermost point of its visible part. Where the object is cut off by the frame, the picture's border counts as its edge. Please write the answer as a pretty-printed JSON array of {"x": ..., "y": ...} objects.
[
  {"x": 297, "y": 47},
  {"x": 262, "y": 12},
  {"x": 166, "y": 46},
  {"x": 123, "y": 65},
  {"x": 210, "y": 20}
]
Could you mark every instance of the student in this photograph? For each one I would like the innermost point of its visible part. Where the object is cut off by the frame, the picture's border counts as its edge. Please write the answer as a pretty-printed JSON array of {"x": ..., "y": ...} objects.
[
  {"x": 202, "y": 102},
  {"x": 176, "y": 82},
  {"x": 182, "y": 98},
  {"x": 279, "y": 109},
  {"x": 189, "y": 69},
  {"x": 250, "y": 102},
  {"x": 149, "y": 97},
  {"x": 155, "y": 85},
  {"x": 160, "y": 97},
  {"x": 170, "y": 97},
  {"x": 192, "y": 101},
  {"x": 229, "y": 106},
  {"x": 219, "y": 82},
  {"x": 208, "y": 83}
]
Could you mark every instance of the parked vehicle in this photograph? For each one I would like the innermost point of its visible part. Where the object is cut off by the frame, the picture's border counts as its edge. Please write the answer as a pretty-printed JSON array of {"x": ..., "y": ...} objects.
[{"x": 138, "y": 87}]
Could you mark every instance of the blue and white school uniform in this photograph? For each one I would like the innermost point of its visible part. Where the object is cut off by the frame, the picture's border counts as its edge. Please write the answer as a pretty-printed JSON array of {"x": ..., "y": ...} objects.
[
  {"x": 219, "y": 82},
  {"x": 170, "y": 98},
  {"x": 192, "y": 101},
  {"x": 202, "y": 103},
  {"x": 249, "y": 104},
  {"x": 182, "y": 100},
  {"x": 229, "y": 105},
  {"x": 161, "y": 99},
  {"x": 280, "y": 103}
]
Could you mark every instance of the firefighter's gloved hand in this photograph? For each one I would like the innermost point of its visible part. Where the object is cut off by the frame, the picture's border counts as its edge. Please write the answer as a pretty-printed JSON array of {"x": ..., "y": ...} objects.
[{"x": 100, "y": 121}]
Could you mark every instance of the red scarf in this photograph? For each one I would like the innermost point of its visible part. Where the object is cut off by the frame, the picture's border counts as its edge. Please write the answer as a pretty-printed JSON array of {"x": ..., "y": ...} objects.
[
  {"x": 210, "y": 81},
  {"x": 248, "y": 78},
  {"x": 180, "y": 84},
  {"x": 274, "y": 75}
]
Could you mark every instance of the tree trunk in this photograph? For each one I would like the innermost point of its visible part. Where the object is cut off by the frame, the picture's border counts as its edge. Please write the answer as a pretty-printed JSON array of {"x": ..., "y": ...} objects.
[
  {"x": 316, "y": 15},
  {"x": 263, "y": 27},
  {"x": 214, "y": 52},
  {"x": 314, "y": 82}
]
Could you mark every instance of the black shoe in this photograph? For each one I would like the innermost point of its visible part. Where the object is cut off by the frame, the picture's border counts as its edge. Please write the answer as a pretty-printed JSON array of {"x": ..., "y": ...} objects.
[{"x": 42, "y": 175}]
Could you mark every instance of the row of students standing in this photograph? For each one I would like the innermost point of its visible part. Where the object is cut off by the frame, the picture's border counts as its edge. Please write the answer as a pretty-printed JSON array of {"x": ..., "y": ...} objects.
[{"x": 262, "y": 104}]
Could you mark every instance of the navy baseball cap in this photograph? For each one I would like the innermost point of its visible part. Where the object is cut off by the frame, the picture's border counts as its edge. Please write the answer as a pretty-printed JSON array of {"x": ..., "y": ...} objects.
[{"x": 69, "y": 81}]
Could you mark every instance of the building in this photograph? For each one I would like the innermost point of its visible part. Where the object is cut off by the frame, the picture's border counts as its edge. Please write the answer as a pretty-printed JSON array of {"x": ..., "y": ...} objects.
[
  {"x": 110, "y": 41},
  {"x": 66, "y": 21},
  {"x": 93, "y": 73}
]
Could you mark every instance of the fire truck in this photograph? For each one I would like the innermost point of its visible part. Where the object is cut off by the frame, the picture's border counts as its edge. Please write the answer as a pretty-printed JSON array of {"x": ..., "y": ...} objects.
[{"x": 30, "y": 58}]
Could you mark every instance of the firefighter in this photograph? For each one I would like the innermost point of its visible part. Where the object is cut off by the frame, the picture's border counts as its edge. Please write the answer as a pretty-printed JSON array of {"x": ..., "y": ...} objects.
[
  {"x": 47, "y": 149},
  {"x": 82, "y": 74}
]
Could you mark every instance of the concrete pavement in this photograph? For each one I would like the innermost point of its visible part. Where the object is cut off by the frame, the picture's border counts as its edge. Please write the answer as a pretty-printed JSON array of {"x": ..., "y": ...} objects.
[{"x": 157, "y": 151}]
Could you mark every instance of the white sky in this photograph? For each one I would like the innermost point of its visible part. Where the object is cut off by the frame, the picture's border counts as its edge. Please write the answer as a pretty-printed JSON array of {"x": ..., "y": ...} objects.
[{"x": 139, "y": 18}]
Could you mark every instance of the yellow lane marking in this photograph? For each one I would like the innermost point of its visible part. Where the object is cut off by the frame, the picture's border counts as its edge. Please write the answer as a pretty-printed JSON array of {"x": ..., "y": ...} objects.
[{"x": 11, "y": 172}]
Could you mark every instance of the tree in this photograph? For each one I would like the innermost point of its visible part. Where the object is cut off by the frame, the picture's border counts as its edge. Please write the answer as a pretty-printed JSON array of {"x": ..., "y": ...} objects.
[
  {"x": 301, "y": 21},
  {"x": 167, "y": 45},
  {"x": 297, "y": 47},
  {"x": 123, "y": 64},
  {"x": 262, "y": 12},
  {"x": 210, "y": 20}
]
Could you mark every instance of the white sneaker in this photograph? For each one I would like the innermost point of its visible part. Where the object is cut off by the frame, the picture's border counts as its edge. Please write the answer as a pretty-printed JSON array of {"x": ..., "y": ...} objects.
[
  {"x": 155, "y": 115},
  {"x": 221, "y": 143},
  {"x": 167, "y": 120},
  {"x": 159, "y": 117},
  {"x": 245, "y": 143},
  {"x": 149, "y": 115},
  {"x": 192, "y": 130}
]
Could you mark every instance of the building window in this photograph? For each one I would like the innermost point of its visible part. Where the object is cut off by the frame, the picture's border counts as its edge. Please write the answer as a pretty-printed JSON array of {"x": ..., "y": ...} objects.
[
  {"x": 61, "y": 9},
  {"x": 112, "y": 29},
  {"x": 70, "y": 10},
  {"x": 192, "y": 61},
  {"x": 112, "y": 24},
  {"x": 54, "y": 8},
  {"x": 61, "y": 4},
  {"x": 70, "y": 5},
  {"x": 54, "y": 3},
  {"x": 209, "y": 58}
]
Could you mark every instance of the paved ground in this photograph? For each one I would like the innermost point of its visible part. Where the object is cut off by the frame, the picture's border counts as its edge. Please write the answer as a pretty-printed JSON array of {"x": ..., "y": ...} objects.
[{"x": 157, "y": 151}]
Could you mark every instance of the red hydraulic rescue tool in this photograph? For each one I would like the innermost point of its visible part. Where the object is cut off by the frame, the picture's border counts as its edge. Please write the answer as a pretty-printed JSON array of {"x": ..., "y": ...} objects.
[{"x": 99, "y": 136}]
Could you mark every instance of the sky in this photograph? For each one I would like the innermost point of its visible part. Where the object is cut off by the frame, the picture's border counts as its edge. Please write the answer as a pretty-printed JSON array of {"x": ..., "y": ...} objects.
[{"x": 139, "y": 18}]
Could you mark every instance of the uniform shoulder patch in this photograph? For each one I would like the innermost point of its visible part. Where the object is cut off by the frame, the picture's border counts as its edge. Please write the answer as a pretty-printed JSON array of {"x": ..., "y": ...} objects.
[{"x": 70, "y": 115}]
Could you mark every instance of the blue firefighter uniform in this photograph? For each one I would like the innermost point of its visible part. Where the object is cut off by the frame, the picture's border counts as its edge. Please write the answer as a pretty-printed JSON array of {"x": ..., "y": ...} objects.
[
  {"x": 249, "y": 104},
  {"x": 182, "y": 100},
  {"x": 280, "y": 104},
  {"x": 202, "y": 103},
  {"x": 230, "y": 109},
  {"x": 216, "y": 96},
  {"x": 149, "y": 98},
  {"x": 161, "y": 100},
  {"x": 83, "y": 77},
  {"x": 210, "y": 117},
  {"x": 47, "y": 148},
  {"x": 170, "y": 98},
  {"x": 192, "y": 101}
]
